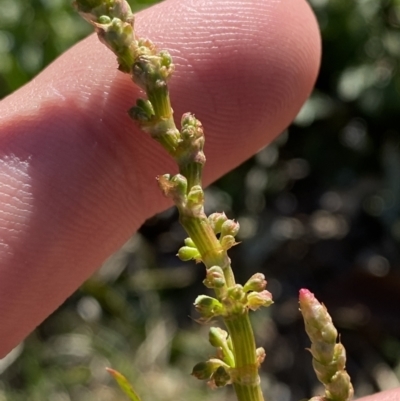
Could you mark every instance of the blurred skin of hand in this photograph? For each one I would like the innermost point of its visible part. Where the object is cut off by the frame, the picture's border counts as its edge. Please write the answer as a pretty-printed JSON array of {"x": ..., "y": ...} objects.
[{"x": 77, "y": 177}]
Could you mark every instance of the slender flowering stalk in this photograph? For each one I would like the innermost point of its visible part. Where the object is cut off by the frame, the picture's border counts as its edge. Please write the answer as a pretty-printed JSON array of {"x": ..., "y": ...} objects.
[
  {"x": 210, "y": 237},
  {"x": 329, "y": 356}
]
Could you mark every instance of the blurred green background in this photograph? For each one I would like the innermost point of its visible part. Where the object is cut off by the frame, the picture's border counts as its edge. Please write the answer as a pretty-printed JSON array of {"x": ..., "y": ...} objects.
[{"x": 319, "y": 208}]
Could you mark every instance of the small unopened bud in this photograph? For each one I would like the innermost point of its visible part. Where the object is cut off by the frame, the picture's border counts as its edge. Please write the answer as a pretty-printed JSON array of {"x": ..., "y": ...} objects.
[
  {"x": 236, "y": 293},
  {"x": 204, "y": 370},
  {"x": 191, "y": 127},
  {"x": 217, "y": 220},
  {"x": 166, "y": 59},
  {"x": 228, "y": 242},
  {"x": 217, "y": 337},
  {"x": 325, "y": 371},
  {"x": 221, "y": 377},
  {"x": 195, "y": 198},
  {"x": 187, "y": 253},
  {"x": 215, "y": 277},
  {"x": 256, "y": 300},
  {"x": 167, "y": 67},
  {"x": 93, "y": 9},
  {"x": 104, "y": 20},
  {"x": 208, "y": 307},
  {"x": 173, "y": 187},
  {"x": 142, "y": 112},
  {"x": 340, "y": 387},
  {"x": 189, "y": 242},
  {"x": 230, "y": 227},
  {"x": 260, "y": 354},
  {"x": 117, "y": 35},
  {"x": 256, "y": 283}
]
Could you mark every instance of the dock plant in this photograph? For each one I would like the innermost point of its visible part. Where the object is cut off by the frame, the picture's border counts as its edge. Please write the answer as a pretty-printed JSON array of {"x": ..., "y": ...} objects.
[{"x": 237, "y": 359}]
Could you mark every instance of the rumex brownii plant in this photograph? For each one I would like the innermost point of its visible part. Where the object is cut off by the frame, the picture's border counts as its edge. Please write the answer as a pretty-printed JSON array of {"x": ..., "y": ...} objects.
[{"x": 237, "y": 359}]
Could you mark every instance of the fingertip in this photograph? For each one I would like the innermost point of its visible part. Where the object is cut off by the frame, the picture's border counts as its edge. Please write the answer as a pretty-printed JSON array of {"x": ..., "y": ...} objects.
[{"x": 244, "y": 68}]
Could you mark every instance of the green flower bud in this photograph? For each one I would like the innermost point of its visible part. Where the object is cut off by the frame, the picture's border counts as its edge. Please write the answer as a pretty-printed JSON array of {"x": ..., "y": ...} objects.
[
  {"x": 256, "y": 283},
  {"x": 187, "y": 253},
  {"x": 221, "y": 377},
  {"x": 91, "y": 10},
  {"x": 192, "y": 141},
  {"x": 216, "y": 220},
  {"x": 142, "y": 112},
  {"x": 104, "y": 20},
  {"x": 325, "y": 371},
  {"x": 189, "y": 242},
  {"x": 340, "y": 387},
  {"x": 217, "y": 337},
  {"x": 256, "y": 300},
  {"x": 208, "y": 307},
  {"x": 180, "y": 183},
  {"x": 119, "y": 37},
  {"x": 173, "y": 187},
  {"x": 230, "y": 227},
  {"x": 215, "y": 277},
  {"x": 204, "y": 370},
  {"x": 236, "y": 293},
  {"x": 167, "y": 67},
  {"x": 195, "y": 198},
  {"x": 228, "y": 242},
  {"x": 191, "y": 127},
  {"x": 188, "y": 119},
  {"x": 339, "y": 356}
]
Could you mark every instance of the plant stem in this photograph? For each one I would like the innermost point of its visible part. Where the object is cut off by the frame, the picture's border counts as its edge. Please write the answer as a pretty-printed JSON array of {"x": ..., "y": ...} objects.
[
  {"x": 245, "y": 379},
  {"x": 211, "y": 251},
  {"x": 150, "y": 70}
]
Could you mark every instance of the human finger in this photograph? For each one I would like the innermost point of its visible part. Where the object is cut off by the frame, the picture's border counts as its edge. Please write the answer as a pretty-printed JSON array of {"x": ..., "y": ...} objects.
[{"x": 77, "y": 176}]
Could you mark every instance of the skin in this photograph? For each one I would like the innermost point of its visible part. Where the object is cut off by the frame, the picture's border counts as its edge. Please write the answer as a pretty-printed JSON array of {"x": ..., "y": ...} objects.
[{"x": 77, "y": 176}]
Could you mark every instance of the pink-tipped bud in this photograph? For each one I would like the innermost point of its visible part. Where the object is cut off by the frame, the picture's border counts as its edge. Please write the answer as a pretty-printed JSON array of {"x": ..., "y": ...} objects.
[
  {"x": 317, "y": 320},
  {"x": 256, "y": 283},
  {"x": 215, "y": 277},
  {"x": 256, "y": 300},
  {"x": 230, "y": 227}
]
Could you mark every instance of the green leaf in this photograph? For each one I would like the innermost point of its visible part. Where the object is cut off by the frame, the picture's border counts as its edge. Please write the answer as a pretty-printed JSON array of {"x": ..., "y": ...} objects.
[{"x": 124, "y": 384}]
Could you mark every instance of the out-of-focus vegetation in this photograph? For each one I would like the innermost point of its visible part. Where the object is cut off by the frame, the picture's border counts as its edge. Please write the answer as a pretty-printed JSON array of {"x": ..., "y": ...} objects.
[{"x": 319, "y": 208}]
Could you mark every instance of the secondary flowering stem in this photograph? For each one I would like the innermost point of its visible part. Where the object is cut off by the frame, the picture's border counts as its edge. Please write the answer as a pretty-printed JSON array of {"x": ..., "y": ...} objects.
[{"x": 329, "y": 356}]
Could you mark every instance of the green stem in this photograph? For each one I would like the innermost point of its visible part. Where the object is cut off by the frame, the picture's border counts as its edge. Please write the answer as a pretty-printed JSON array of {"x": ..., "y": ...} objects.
[
  {"x": 202, "y": 234},
  {"x": 192, "y": 172},
  {"x": 150, "y": 71},
  {"x": 166, "y": 133},
  {"x": 159, "y": 98},
  {"x": 246, "y": 380}
]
